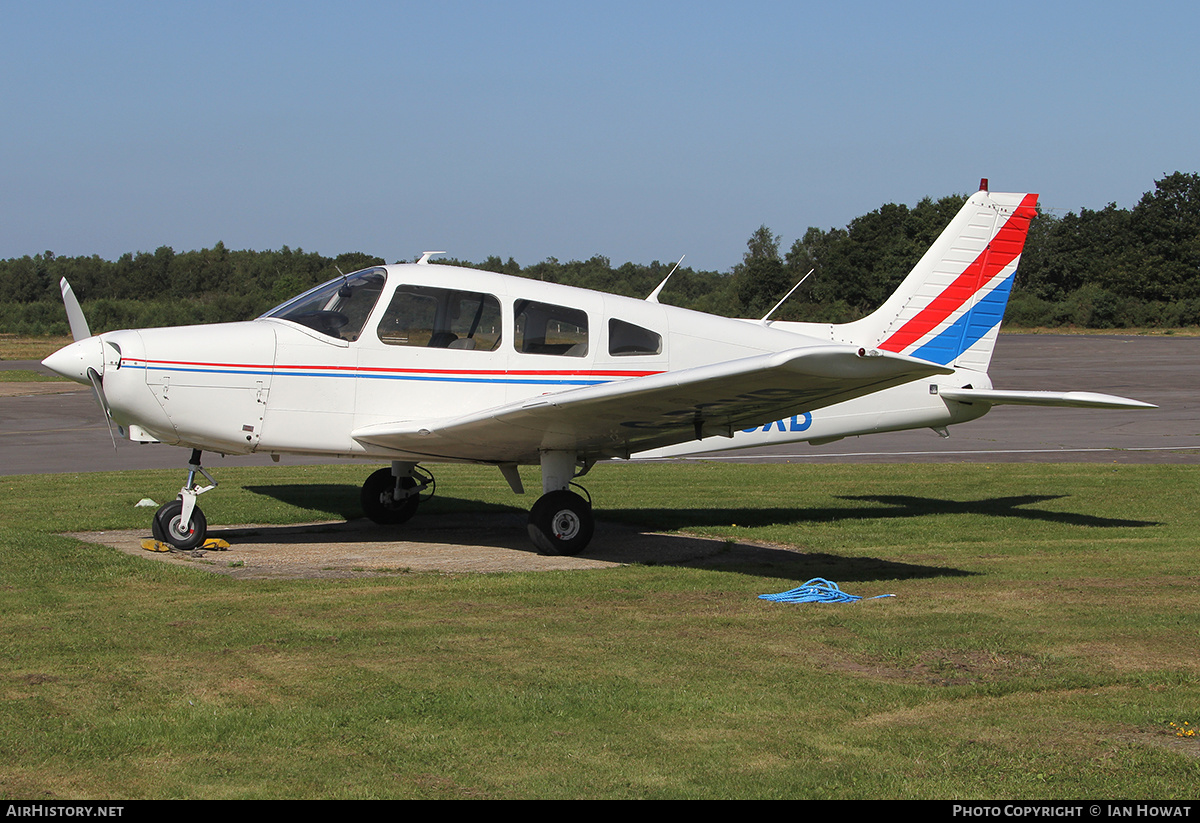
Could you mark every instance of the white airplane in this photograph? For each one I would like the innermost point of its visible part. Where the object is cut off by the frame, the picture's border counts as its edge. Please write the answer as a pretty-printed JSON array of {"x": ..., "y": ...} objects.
[{"x": 423, "y": 363}]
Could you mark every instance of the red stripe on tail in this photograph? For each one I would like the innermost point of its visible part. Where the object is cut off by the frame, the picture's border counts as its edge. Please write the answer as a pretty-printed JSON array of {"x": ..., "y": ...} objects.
[{"x": 1005, "y": 247}]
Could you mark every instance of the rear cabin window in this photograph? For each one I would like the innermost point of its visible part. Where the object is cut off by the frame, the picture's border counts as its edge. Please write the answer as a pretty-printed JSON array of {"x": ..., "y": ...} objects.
[
  {"x": 543, "y": 328},
  {"x": 441, "y": 319},
  {"x": 627, "y": 339}
]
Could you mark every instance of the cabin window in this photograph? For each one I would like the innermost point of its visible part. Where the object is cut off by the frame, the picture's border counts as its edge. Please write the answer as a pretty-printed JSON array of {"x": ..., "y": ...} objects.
[
  {"x": 627, "y": 339},
  {"x": 441, "y": 319},
  {"x": 543, "y": 328},
  {"x": 339, "y": 308}
]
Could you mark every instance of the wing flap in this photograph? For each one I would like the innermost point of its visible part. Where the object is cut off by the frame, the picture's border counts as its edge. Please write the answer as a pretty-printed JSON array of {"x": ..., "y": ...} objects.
[{"x": 619, "y": 418}]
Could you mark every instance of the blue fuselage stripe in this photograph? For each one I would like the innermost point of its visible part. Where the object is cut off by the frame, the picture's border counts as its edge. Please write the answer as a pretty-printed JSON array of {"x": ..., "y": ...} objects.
[{"x": 524, "y": 381}]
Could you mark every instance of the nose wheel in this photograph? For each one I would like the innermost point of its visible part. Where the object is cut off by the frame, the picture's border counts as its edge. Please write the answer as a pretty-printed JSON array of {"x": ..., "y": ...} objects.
[
  {"x": 169, "y": 526},
  {"x": 180, "y": 522}
]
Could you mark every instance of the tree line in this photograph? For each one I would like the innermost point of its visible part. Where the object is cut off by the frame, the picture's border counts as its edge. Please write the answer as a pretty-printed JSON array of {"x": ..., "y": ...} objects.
[{"x": 1109, "y": 268}]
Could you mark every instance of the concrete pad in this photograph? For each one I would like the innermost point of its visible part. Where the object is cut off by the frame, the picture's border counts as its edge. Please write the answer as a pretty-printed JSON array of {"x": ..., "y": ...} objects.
[{"x": 461, "y": 544}]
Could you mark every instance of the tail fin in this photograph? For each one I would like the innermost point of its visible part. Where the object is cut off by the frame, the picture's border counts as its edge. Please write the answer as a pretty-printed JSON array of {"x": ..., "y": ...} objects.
[{"x": 948, "y": 309}]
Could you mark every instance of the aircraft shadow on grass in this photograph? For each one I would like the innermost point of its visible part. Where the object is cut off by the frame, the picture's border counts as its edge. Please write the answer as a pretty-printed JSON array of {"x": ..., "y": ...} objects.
[
  {"x": 452, "y": 522},
  {"x": 901, "y": 505}
]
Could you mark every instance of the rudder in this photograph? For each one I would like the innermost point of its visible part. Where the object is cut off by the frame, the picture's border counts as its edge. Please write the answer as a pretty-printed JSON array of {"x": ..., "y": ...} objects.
[{"x": 948, "y": 310}]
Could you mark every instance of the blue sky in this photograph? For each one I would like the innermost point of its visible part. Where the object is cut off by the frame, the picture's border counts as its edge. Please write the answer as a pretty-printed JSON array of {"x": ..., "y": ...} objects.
[{"x": 640, "y": 131}]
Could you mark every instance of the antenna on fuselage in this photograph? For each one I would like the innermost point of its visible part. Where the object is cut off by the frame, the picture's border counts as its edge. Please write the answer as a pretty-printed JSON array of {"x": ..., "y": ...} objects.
[
  {"x": 653, "y": 298},
  {"x": 785, "y": 297},
  {"x": 424, "y": 261}
]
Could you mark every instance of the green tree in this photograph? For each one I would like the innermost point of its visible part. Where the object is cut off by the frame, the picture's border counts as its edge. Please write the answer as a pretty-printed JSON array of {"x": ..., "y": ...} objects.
[
  {"x": 761, "y": 279},
  {"x": 857, "y": 267},
  {"x": 1166, "y": 228}
]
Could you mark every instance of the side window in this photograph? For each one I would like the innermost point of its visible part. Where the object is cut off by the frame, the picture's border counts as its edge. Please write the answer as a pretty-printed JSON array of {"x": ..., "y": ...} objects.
[
  {"x": 441, "y": 319},
  {"x": 626, "y": 339},
  {"x": 543, "y": 328}
]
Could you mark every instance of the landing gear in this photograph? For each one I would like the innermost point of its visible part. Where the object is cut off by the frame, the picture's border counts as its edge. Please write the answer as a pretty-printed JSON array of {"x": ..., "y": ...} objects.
[
  {"x": 561, "y": 521},
  {"x": 169, "y": 526},
  {"x": 391, "y": 496},
  {"x": 180, "y": 522}
]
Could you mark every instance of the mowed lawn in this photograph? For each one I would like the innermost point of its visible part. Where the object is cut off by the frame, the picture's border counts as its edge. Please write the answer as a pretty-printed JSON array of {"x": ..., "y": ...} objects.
[{"x": 1043, "y": 642}]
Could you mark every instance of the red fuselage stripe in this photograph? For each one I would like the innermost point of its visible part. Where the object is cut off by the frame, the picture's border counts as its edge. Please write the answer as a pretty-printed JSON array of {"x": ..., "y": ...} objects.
[{"x": 497, "y": 372}]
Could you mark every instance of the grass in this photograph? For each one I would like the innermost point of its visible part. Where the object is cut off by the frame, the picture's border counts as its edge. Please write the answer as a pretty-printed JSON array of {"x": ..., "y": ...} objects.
[
  {"x": 16, "y": 347},
  {"x": 28, "y": 376},
  {"x": 1042, "y": 644}
]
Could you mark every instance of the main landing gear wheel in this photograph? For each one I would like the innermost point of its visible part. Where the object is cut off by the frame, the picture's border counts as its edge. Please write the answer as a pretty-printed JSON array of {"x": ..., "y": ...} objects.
[
  {"x": 168, "y": 526},
  {"x": 379, "y": 501},
  {"x": 561, "y": 522}
]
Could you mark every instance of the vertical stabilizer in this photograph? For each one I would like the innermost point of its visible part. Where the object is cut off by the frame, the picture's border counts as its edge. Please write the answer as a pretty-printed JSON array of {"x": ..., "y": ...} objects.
[{"x": 948, "y": 309}]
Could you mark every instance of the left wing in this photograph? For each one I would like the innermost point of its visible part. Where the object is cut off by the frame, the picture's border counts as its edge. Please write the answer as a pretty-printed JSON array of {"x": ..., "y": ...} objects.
[{"x": 619, "y": 418}]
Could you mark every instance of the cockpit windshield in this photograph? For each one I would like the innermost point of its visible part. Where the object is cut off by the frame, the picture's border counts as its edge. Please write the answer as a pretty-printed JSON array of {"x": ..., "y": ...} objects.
[{"x": 339, "y": 308}]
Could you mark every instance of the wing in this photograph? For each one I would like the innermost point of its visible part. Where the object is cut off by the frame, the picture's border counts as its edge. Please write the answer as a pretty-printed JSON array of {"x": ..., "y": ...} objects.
[
  {"x": 1071, "y": 399},
  {"x": 619, "y": 418}
]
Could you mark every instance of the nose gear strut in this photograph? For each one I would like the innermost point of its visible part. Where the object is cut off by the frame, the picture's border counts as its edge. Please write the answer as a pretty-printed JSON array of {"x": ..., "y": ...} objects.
[{"x": 180, "y": 522}]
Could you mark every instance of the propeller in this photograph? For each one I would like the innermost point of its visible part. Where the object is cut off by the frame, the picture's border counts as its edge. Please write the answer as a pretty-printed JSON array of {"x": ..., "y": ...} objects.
[
  {"x": 79, "y": 326},
  {"x": 81, "y": 332},
  {"x": 98, "y": 393}
]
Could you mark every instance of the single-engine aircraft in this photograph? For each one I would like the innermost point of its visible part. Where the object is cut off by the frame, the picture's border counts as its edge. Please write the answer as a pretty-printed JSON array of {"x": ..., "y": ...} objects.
[{"x": 424, "y": 363}]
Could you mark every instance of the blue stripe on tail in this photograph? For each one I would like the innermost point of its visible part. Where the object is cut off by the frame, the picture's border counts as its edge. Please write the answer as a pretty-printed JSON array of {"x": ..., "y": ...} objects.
[{"x": 969, "y": 329}]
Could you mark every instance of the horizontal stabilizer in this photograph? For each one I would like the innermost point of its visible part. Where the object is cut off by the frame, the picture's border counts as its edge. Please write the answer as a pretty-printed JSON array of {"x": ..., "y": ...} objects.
[{"x": 1071, "y": 399}]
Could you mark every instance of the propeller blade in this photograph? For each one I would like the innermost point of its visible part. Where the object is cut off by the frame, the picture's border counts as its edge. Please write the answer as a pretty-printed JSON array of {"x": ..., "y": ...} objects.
[
  {"x": 98, "y": 392},
  {"x": 80, "y": 331},
  {"x": 79, "y": 326}
]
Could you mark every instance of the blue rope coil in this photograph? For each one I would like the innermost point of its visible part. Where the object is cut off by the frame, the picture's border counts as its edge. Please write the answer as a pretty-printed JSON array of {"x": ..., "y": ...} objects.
[{"x": 817, "y": 590}]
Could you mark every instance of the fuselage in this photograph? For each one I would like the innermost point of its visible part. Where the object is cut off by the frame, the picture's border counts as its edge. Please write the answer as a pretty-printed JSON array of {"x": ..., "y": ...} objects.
[{"x": 420, "y": 342}]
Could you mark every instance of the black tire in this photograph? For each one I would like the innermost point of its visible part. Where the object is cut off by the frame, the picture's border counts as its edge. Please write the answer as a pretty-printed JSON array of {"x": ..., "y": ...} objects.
[
  {"x": 561, "y": 522},
  {"x": 168, "y": 526},
  {"x": 378, "y": 499}
]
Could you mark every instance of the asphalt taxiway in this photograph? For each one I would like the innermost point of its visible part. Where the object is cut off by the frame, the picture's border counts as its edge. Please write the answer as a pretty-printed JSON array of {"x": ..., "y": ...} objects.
[{"x": 46, "y": 430}]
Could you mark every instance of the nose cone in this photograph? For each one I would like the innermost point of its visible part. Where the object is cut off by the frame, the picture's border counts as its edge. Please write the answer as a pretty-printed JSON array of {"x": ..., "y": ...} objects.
[{"x": 73, "y": 361}]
